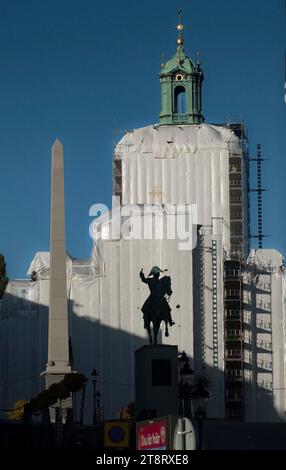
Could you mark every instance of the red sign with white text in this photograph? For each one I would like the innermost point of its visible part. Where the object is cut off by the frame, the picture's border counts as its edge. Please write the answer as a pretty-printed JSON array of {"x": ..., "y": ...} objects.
[{"x": 152, "y": 436}]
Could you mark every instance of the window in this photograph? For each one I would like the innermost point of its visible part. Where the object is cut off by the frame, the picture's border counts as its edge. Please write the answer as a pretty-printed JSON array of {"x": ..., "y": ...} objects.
[{"x": 180, "y": 100}]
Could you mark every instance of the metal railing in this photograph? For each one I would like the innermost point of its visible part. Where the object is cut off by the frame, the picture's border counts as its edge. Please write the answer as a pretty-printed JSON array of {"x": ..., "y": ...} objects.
[
  {"x": 235, "y": 183},
  {"x": 180, "y": 117},
  {"x": 235, "y": 169},
  {"x": 234, "y": 373},
  {"x": 232, "y": 315},
  {"x": 234, "y": 354},
  {"x": 234, "y": 395},
  {"x": 233, "y": 334}
]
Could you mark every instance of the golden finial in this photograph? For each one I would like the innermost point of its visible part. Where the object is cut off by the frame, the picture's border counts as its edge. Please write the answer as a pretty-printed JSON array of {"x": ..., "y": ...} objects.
[{"x": 180, "y": 28}]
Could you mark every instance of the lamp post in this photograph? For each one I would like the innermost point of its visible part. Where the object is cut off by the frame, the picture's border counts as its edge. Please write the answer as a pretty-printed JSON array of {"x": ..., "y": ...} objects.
[
  {"x": 186, "y": 385},
  {"x": 200, "y": 397},
  {"x": 94, "y": 376},
  {"x": 98, "y": 397}
]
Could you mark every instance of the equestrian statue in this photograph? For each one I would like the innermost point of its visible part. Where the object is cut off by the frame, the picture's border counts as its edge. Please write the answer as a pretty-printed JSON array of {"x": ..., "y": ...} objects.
[{"x": 156, "y": 308}]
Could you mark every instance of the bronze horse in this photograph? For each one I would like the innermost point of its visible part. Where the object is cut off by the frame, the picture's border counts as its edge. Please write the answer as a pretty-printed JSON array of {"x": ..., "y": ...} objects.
[{"x": 156, "y": 308}]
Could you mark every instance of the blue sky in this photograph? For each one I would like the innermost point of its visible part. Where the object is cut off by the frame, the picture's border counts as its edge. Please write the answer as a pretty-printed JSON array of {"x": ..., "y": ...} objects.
[{"x": 77, "y": 70}]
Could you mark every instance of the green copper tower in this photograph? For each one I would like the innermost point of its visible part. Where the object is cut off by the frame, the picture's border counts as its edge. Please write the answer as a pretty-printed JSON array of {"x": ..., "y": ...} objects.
[{"x": 181, "y": 87}]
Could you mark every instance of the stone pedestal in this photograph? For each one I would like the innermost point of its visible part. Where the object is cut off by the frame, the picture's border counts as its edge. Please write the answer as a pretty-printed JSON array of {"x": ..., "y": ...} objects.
[{"x": 156, "y": 381}]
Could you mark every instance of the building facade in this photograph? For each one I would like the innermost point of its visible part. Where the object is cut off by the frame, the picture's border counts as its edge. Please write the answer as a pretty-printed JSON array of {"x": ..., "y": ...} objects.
[{"x": 185, "y": 171}]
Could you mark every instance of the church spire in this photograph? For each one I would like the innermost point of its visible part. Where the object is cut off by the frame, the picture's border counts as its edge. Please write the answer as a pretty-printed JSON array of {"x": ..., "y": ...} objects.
[{"x": 181, "y": 86}]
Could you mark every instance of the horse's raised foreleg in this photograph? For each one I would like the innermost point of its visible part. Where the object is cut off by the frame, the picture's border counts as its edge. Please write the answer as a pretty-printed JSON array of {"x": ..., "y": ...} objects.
[{"x": 166, "y": 329}]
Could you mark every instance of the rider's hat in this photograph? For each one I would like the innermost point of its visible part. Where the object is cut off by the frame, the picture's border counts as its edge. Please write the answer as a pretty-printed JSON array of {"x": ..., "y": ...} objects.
[{"x": 155, "y": 270}]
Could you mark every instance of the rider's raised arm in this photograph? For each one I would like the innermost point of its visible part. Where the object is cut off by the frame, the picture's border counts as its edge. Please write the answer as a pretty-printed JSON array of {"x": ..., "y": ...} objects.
[{"x": 143, "y": 278}]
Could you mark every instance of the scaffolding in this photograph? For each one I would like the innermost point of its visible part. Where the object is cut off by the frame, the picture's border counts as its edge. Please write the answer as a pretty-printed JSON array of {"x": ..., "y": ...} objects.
[
  {"x": 239, "y": 190},
  {"x": 234, "y": 360},
  {"x": 259, "y": 280},
  {"x": 239, "y": 194}
]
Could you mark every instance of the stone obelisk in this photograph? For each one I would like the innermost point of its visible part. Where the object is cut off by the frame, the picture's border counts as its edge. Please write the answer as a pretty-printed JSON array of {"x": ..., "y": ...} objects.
[{"x": 58, "y": 344}]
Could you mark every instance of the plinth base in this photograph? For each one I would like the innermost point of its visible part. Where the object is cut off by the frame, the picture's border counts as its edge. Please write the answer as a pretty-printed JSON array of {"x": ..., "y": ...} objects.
[
  {"x": 60, "y": 410},
  {"x": 156, "y": 380}
]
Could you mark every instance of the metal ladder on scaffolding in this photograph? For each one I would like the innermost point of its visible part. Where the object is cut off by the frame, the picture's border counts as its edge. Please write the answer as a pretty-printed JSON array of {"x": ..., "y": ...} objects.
[
  {"x": 202, "y": 300},
  {"x": 214, "y": 303}
]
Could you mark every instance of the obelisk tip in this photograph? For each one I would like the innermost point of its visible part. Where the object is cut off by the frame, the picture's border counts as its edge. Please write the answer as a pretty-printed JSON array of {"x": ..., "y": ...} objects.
[{"x": 57, "y": 148}]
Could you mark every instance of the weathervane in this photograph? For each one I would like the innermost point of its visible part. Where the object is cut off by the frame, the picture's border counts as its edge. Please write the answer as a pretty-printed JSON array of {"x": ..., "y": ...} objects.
[{"x": 180, "y": 28}]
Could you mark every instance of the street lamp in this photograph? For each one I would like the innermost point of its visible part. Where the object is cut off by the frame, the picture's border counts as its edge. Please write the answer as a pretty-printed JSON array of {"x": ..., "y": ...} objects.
[
  {"x": 186, "y": 384},
  {"x": 183, "y": 357},
  {"x": 200, "y": 397},
  {"x": 94, "y": 376},
  {"x": 98, "y": 397}
]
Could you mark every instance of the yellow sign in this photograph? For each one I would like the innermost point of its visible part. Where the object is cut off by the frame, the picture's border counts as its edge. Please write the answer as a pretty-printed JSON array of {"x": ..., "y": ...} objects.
[{"x": 116, "y": 434}]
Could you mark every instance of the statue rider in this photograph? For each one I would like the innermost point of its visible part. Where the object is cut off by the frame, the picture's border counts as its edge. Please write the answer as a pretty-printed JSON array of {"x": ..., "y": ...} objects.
[{"x": 156, "y": 305}]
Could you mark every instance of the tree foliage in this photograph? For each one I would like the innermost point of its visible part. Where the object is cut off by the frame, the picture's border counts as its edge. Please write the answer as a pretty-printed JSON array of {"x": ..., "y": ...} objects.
[
  {"x": 17, "y": 413},
  {"x": 3, "y": 276},
  {"x": 71, "y": 383},
  {"x": 128, "y": 412}
]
